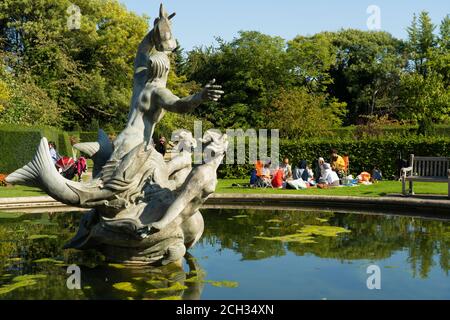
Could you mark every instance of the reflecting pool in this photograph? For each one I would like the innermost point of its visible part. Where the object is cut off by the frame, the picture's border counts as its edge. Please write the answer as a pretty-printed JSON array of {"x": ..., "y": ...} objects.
[{"x": 243, "y": 254}]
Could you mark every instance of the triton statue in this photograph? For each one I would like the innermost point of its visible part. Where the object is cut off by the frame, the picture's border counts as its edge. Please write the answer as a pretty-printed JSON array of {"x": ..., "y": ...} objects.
[{"x": 144, "y": 210}]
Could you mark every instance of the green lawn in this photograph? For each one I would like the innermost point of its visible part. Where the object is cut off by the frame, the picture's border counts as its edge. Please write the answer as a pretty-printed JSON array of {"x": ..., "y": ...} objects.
[
  {"x": 376, "y": 190},
  {"x": 20, "y": 191},
  {"x": 225, "y": 186}
]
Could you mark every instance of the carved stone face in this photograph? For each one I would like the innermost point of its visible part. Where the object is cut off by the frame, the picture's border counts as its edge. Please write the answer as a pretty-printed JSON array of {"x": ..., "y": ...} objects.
[
  {"x": 184, "y": 140},
  {"x": 163, "y": 37},
  {"x": 216, "y": 145}
]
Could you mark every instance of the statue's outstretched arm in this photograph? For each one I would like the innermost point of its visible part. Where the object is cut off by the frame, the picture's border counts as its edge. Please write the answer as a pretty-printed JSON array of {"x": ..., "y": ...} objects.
[{"x": 172, "y": 103}]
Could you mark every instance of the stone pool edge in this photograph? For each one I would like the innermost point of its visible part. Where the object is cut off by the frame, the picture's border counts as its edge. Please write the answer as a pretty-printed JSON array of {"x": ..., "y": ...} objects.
[
  {"x": 410, "y": 206},
  {"x": 403, "y": 205}
]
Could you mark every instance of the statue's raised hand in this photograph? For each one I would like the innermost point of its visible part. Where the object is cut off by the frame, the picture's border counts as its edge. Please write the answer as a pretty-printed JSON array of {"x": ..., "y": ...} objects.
[{"x": 212, "y": 92}]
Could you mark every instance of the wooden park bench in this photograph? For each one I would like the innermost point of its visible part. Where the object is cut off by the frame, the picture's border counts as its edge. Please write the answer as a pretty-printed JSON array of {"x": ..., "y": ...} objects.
[{"x": 426, "y": 169}]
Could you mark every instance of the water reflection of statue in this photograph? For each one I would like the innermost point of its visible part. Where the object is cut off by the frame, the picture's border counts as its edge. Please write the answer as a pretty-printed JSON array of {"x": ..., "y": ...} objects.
[{"x": 172, "y": 281}]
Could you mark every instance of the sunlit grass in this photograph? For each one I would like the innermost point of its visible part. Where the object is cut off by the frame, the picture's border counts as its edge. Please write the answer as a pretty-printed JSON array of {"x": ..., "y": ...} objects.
[
  {"x": 225, "y": 186},
  {"x": 375, "y": 190},
  {"x": 20, "y": 191}
]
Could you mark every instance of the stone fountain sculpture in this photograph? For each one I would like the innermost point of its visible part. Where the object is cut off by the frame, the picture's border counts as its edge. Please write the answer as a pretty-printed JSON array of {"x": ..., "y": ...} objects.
[{"x": 144, "y": 210}]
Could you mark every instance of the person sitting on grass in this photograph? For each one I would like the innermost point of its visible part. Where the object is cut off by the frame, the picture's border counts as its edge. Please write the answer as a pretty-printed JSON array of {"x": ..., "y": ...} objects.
[
  {"x": 287, "y": 169},
  {"x": 303, "y": 171},
  {"x": 302, "y": 177},
  {"x": 253, "y": 178},
  {"x": 337, "y": 163},
  {"x": 376, "y": 175},
  {"x": 310, "y": 180},
  {"x": 259, "y": 166},
  {"x": 278, "y": 178},
  {"x": 266, "y": 171},
  {"x": 318, "y": 168},
  {"x": 329, "y": 179},
  {"x": 264, "y": 179},
  {"x": 256, "y": 174}
]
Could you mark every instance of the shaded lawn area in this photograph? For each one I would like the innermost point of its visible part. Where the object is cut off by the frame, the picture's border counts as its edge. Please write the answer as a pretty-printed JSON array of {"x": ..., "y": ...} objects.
[
  {"x": 375, "y": 190},
  {"x": 225, "y": 186}
]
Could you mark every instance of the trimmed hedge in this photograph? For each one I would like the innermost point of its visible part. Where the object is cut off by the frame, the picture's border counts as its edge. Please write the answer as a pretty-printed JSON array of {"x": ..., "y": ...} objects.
[
  {"x": 19, "y": 144},
  {"x": 363, "y": 154}
]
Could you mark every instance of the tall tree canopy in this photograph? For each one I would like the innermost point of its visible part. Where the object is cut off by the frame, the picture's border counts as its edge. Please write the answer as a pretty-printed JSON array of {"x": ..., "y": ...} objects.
[
  {"x": 250, "y": 68},
  {"x": 87, "y": 72},
  {"x": 371, "y": 72},
  {"x": 425, "y": 89},
  {"x": 83, "y": 78}
]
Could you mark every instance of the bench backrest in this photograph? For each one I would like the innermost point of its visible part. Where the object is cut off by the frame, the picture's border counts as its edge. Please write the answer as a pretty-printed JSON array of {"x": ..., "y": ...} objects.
[{"x": 430, "y": 166}]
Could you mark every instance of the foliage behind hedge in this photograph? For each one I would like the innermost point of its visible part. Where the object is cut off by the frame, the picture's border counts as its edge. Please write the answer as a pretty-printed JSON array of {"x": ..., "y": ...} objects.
[
  {"x": 363, "y": 154},
  {"x": 88, "y": 136}
]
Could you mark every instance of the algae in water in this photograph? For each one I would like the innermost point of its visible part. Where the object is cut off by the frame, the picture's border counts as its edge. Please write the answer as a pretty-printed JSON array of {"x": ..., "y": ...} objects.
[
  {"x": 175, "y": 287},
  {"x": 225, "y": 284},
  {"x": 307, "y": 233},
  {"x": 20, "y": 282},
  {"x": 41, "y": 236},
  {"x": 124, "y": 286}
]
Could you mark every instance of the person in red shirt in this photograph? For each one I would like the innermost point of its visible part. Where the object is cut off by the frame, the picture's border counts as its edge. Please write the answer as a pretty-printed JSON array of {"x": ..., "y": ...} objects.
[{"x": 277, "y": 181}]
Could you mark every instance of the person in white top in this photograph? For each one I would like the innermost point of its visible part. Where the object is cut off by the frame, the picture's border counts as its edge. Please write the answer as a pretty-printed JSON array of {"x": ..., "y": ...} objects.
[
  {"x": 329, "y": 176},
  {"x": 321, "y": 162}
]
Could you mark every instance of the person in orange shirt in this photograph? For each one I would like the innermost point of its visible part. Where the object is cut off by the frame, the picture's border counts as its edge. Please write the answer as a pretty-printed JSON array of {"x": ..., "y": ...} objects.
[{"x": 259, "y": 166}]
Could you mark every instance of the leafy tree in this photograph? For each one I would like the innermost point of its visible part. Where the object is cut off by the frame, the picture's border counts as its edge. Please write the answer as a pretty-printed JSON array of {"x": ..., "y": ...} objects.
[
  {"x": 22, "y": 102},
  {"x": 5, "y": 94},
  {"x": 310, "y": 60},
  {"x": 368, "y": 66},
  {"x": 67, "y": 77},
  {"x": 439, "y": 59},
  {"x": 424, "y": 91},
  {"x": 424, "y": 98},
  {"x": 302, "y": 114},
  {"x": 87, "y": 72},
  {"x": 444, "y": 35},
  {"x": 251, "y": 69},
  {"x": 421, "y": 41}
]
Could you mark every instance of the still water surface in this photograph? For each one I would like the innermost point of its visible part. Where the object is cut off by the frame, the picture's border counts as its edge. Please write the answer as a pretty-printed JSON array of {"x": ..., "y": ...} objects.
[{"x": 243, "y": 254}]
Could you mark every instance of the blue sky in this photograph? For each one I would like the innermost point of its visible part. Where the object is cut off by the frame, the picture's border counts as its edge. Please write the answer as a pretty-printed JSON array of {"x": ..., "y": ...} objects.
[{"x": 199, "y": 21}]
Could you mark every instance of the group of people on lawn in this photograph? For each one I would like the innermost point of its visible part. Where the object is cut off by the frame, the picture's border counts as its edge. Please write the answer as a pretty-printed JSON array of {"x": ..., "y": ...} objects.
[{"x": 323, "y": 175}]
